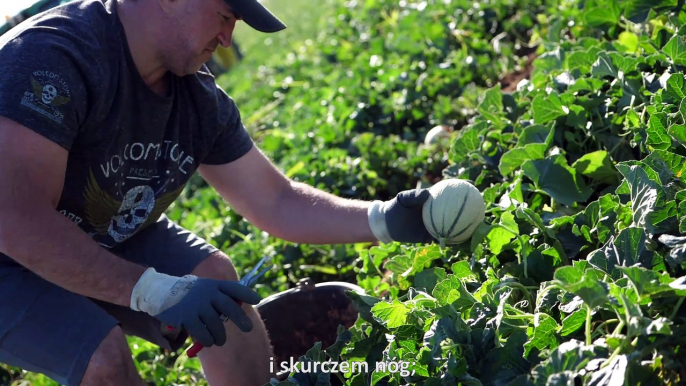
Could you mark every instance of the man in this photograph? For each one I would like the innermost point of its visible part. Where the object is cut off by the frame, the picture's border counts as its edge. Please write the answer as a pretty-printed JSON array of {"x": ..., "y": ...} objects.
[{"x": 106, "y": 110}]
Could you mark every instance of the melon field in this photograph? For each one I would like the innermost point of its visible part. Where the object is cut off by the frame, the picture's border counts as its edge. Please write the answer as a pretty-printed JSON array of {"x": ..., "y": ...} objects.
[{"x": 568, "y": 116}]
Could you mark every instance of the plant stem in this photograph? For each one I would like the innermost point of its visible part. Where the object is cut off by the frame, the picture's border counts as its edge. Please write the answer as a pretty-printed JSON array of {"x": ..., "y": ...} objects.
[
  {"x": 523, "y": 289},
  {"x": 612, "y": 357},
  {"x": 676, "y": 308},
  {"x": 588, "y": 325},
  {"x": 603, "y": 324}
]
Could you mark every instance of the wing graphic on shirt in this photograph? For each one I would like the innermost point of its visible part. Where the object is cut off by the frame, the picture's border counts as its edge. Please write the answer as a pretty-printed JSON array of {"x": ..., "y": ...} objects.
[
  {"x": 162, "y": 203},
  {"x": 58, "y": 99},
  {"x": 100, "y": 207}
]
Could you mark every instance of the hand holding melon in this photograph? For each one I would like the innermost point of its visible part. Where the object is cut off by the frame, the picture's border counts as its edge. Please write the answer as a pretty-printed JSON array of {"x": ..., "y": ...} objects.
[{"x": 453, "y": 210}]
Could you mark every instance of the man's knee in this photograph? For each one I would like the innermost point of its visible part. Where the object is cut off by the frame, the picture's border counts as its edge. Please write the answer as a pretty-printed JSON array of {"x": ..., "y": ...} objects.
[
  {"x": 111, "y": 363},
  {"x": 216, "y": 266}
]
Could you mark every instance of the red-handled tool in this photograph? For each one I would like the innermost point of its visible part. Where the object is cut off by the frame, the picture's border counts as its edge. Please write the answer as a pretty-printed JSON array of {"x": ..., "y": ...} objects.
[{"x": 248, "y": 280}]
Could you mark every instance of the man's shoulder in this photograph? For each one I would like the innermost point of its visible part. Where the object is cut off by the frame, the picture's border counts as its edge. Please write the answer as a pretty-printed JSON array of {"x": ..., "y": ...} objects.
[
  {"x": 77, "y": 25},
  {"x": 207, "y": 87}
]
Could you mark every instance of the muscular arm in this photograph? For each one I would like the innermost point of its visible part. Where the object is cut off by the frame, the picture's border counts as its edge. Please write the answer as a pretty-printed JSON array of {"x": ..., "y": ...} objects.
[
  {"x": 290, "y": 210},
  {"x": 35, "y": 235}
]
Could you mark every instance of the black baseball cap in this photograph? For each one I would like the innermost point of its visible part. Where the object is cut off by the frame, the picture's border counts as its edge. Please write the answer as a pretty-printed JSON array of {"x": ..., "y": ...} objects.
[{"x": 256, "y": 15}]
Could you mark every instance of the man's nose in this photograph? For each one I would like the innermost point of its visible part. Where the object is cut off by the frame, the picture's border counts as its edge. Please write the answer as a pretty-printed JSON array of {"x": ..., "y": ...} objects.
[{"x": 226, "y": 35}]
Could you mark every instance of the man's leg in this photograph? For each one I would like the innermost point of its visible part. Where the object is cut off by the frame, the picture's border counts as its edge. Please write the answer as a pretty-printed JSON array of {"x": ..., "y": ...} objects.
[
  {"x": 244, "y": 359},
  {"x": 47, "y": 329},
  {"x": 171, "y": 249},
  {"x": 111, "y": 363}
]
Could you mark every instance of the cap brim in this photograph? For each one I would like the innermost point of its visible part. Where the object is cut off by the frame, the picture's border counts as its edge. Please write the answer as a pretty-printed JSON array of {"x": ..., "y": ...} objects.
[{"x": 256, "y": 15}]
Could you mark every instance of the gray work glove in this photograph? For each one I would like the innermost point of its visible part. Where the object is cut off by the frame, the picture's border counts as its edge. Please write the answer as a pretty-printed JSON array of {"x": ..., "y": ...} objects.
[
  {"x": 194, "y": 303},
  {"x": 400, "y": 219}
]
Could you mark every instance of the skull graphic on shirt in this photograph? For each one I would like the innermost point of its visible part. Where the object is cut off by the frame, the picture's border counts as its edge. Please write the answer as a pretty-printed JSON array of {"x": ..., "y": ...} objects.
[{"x": 133, "y": 212}]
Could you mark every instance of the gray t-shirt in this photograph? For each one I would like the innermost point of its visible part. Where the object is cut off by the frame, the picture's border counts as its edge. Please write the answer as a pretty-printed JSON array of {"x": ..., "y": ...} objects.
[{"x": 68, "y": 75}]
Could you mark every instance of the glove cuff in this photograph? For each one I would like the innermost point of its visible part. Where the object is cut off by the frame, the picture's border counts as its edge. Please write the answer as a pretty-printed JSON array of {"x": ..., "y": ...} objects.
[
  {"x": 377, "y": 222},
  {"x": 155, "y": 292}
]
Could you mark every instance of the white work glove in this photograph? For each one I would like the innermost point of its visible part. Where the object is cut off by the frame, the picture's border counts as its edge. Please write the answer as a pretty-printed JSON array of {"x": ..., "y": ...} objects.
[{"x": 193, "y": 303}]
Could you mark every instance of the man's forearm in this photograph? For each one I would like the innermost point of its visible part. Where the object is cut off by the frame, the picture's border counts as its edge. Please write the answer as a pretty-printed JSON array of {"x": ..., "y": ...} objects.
[
  {"x": 47, "y": 243},
  {"x": 312, "y": 216}
]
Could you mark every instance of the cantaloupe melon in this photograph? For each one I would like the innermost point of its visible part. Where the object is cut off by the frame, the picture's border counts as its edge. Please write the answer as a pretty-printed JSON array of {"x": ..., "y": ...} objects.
[{"x": 453, "y": 211}]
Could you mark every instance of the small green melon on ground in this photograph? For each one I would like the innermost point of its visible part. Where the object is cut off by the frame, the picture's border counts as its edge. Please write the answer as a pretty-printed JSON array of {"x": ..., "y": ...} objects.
[{"x": 453, "y": 211}]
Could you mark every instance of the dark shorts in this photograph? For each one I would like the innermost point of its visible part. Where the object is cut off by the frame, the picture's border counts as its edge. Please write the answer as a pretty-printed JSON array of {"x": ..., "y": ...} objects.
[{"x": 47, "y": 329}]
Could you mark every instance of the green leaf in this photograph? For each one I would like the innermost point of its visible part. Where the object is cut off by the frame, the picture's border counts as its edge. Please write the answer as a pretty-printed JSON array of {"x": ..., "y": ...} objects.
[
  {"x": 668, "y": 165},
  {"x": 427, "y": 279},
  {"x": 626, "y": 250},
  {"x": 677, "y": 245},
  {"x": 548, "y": 108},
  {"x": 497, "y": 238},
  {"x": 603, "y": 66},
  {"x": 452, "y": 291},
  {"x": 649, "y": 204},
  {"x": 536, "y": 134},
  {"x": 534, "y": 219},
  {"x": 532, "y": 144},
  {"x": 603, "y": 16},
  {"x": 597, "y": 165},
  {"x": 466, "y": 142},
  {"x": 628, "y": 40},
  {"x": 676, "y": 88},
  {"x": 554, "y": 176},
  {"x": 462, "y": 271},
  {"x": 391, "y": 315},
  {"x": 676, "y": 49},
  {"x": 658, "y": 138},
  {"x": 573, "y": 322},
  {"x": 637, "y": 11},
  {"x": 591, "y": 290},
  {"x": 503, "y": 364},
  {"x": 492, "y": 106},
  {"x": 545, "y": 329},
  {"x": 514, "y": 158},
  {"x": 569, "y": 358},
  {"x": 507, "y": 221},
  {"x": 614, "y": 374}
]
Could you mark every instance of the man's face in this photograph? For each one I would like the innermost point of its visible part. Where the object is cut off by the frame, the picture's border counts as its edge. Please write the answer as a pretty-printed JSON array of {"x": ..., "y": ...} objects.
[{"x": 200, "y": 26}]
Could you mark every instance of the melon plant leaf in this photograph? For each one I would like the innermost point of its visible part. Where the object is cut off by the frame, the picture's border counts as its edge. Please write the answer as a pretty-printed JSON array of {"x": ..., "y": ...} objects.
[
  {"x": 614, "y": 374},
  {"x": 570, "y": 357},
  {"x": 548, "y": 108},
  {"x": 503, "y": 364},
  {"x": 608, "y": 14},
  {"x": 554, "y": 176},
  {"x": 676, "y": 49},
  {"x": 514, "y": 158},
  {"x": 545, "y": 330},
  {"x": 597, "y": 165},
  {"x": 668, "y": 165},
  {"x": 427, "y": 279},
  {"x": 677, "y": 245},
  {"x": 650, "y": 208},
  {"x": 531, "y": 145},
  {"x": 591, "y": 290},
  {"x": 637, "y": 11},
  {"x": 466, "y": 143},
  {"x": 392, "y": 315},
  {"x": 452, "y": 291},
  {"x": 573, "y": 322},
  {"x": 492, "y": 106},
  {"x": 603, "y": 66},
  {"x": 658, "y": 138}
]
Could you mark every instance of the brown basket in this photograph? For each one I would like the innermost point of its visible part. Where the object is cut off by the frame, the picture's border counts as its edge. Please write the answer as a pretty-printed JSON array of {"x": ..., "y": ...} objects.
[{"x": 298, "y": 318}]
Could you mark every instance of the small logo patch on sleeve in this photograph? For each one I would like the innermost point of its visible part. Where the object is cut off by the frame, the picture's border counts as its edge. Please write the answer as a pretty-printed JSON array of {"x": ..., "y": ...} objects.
[{"x": 48, "y": 92}]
